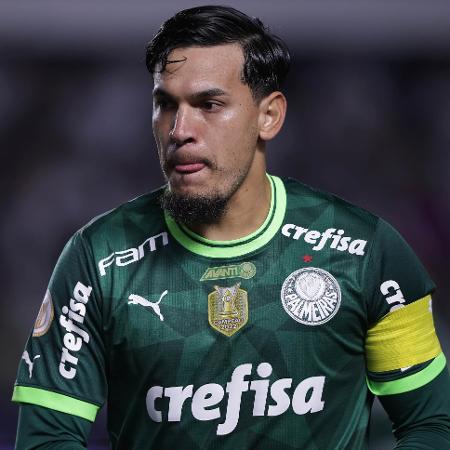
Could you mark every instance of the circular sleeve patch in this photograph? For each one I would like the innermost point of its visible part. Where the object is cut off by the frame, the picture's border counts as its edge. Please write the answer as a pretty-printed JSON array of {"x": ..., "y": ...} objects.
[{"x": 44, "y": 317}]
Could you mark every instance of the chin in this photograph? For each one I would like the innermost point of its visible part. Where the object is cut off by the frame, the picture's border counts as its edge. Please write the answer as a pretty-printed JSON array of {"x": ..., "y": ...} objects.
[
  {"x": 187, "y": 191},
  {"x": 194, "y": 207},
  {"x": 192, "y": 190}
]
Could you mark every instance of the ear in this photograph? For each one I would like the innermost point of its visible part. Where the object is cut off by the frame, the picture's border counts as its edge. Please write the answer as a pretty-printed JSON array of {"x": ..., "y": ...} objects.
[{"x": 272, "y": 111}]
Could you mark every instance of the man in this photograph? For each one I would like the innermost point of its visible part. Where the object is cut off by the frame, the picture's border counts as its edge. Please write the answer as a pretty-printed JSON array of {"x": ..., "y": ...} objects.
[{"x": 231, "y": 309}]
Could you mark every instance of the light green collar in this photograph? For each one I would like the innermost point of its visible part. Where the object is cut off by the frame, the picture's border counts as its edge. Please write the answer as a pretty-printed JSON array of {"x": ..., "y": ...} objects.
[{"x": 237, "y": 247}]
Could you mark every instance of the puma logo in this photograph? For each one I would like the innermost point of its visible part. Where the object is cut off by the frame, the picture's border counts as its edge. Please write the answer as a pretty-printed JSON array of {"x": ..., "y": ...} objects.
[
  {"x": 138, "y": 300},
  {"x": 29, "y": 362}
]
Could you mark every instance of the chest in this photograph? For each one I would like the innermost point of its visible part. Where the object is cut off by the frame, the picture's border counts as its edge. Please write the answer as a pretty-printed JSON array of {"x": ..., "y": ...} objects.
[{"x": 283, "y": 306}]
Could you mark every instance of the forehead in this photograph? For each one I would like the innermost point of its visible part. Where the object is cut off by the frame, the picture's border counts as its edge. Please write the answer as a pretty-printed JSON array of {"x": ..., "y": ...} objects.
[{"x": 194, "y": 68}]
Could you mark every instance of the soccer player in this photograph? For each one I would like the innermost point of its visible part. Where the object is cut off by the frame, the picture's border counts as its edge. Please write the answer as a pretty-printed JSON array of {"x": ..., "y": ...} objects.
[{"x": 231, "y": 309}]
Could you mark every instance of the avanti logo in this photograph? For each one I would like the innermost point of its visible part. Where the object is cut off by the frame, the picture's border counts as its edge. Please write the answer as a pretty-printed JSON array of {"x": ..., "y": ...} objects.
[
  {"x": 205, "y": 400},
  {"x": 318, "y": 239},
  {"x": 245, "y": 270}
]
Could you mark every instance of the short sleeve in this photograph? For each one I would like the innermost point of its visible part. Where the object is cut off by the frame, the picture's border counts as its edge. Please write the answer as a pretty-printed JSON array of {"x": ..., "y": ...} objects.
[
  {"x": 402, "y": 349},
  {"x": 63, "y": 364},
  {"x": 394, "y": 275}
]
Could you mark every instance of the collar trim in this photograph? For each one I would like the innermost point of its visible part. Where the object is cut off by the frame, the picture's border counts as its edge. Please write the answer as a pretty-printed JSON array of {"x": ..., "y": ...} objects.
[{"x": 237, "y": 247}]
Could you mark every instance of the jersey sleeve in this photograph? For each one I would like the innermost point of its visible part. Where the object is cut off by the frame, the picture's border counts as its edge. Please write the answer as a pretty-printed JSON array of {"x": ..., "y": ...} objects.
[
  {"x": 406, "y": 368},
  {"x": 63, "y": 365},
  {"x": 394, "y": 275},
  {"x": 421, "y": 418},
  {"x": 402, "y": 349},
  {"x": 44, "y": 428}
]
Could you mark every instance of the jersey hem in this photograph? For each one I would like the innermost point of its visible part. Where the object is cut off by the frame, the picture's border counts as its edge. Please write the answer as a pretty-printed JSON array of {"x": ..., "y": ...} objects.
[
  {"x": 410, "y": 382},
  {"x": 55, "y": 401}
]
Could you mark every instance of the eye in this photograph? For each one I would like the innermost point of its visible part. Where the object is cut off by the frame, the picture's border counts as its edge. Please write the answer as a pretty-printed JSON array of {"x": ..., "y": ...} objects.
[
  {"x": 163, "y": 103},
  {"x": 211, "y": 105}
]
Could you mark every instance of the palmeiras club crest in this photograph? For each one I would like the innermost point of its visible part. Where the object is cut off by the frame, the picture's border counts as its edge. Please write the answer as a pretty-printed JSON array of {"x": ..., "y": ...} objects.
[
  {"x": 311, "y": 296},
  {"x": 228, "y": 309}
]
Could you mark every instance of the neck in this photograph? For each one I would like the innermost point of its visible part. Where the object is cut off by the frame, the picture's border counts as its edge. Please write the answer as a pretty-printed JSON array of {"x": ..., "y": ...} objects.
[{"x": 246, "y": 211}]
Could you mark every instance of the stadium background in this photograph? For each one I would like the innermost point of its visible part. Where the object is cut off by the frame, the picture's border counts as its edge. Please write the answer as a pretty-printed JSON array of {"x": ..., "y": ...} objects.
[{"x": 368, "y": 119}]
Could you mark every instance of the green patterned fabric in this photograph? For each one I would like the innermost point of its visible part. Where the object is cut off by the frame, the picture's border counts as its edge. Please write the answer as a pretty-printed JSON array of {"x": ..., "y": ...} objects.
[{"x": 256, "y": 343}]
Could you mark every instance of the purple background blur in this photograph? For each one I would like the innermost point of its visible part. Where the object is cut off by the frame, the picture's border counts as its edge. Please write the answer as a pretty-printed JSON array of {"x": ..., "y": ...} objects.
[{"x": 368, "y": 119}]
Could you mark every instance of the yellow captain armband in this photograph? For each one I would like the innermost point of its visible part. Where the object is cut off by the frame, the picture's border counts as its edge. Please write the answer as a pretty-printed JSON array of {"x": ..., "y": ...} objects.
[{"x": 402, "y": 338}]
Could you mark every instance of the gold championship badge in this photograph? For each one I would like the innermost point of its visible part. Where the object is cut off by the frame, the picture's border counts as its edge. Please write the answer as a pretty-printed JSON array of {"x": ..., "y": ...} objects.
[{"x": 228, "y": 309}]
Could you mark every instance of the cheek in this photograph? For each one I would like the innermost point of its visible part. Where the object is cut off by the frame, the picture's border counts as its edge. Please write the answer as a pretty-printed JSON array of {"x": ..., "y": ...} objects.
[
  {"x": 159, "y": 132},
  {"x": 243, "y": 140},
  {"x": 155, "y": 127},
  {"x": 241, "y": 129},
  {"x": 158, "y": 137}
]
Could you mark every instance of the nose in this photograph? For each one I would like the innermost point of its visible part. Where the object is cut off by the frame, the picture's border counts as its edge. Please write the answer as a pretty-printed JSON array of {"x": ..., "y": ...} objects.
[{"x": 182, "y": 131}]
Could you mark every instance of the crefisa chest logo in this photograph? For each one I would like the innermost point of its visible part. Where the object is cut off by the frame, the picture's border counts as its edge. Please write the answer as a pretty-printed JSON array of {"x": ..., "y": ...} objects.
[{"x": 311, "y": 296}]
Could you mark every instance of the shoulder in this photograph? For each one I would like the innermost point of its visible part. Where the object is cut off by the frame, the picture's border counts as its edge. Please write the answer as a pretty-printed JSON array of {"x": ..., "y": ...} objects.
[
  {"x": 143, "y": 211},
  {"x": 126, "y": 226},
  {"x": 313, "y": 209},
  {"x": 302, "y": 197},
  {"x": 389, "y": 269},
  {"x": 343, "y": 226}
]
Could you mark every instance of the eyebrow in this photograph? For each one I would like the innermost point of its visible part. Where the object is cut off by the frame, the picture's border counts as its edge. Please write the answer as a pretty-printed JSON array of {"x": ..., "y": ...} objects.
[{"x": 200, "y": 95}]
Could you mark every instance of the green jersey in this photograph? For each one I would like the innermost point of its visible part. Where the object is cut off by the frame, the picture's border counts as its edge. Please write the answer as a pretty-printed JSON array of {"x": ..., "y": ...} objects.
[{"x": 274, "y": 341}]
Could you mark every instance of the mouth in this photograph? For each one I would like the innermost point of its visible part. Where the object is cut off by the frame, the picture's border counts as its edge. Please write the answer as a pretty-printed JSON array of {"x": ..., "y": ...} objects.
[
  {"x": 188, "y": 174},
  {"x": 184, "y": 163},
  {"x": 189, "y": 167}
]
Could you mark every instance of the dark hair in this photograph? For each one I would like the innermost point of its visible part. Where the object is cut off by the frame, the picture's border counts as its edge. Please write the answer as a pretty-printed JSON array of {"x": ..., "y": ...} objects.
[{"x": 266, "y": 56}]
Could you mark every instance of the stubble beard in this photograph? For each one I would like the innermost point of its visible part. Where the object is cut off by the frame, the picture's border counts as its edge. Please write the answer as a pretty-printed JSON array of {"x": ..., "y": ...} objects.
[{"x": 207, "y": 209}]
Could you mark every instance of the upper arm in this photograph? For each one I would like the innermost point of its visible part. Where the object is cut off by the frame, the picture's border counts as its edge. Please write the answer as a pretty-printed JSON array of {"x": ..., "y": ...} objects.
[
  {"x": 63, "y": 366},
  {"x": 405, "y": 364},
  {"x": 416, "y": 397}
]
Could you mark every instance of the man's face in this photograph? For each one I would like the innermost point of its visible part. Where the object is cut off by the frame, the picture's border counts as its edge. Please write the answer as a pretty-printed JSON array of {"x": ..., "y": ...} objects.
[{"x": 205, "y": 121}]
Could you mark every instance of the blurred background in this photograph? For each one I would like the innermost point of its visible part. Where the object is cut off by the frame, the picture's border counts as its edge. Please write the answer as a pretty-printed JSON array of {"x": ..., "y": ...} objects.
[{"x": 368, "y": 119}]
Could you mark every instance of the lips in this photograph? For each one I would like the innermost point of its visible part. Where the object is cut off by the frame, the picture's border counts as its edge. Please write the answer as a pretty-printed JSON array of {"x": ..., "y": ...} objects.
[{"x": 190, "y": 167}]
